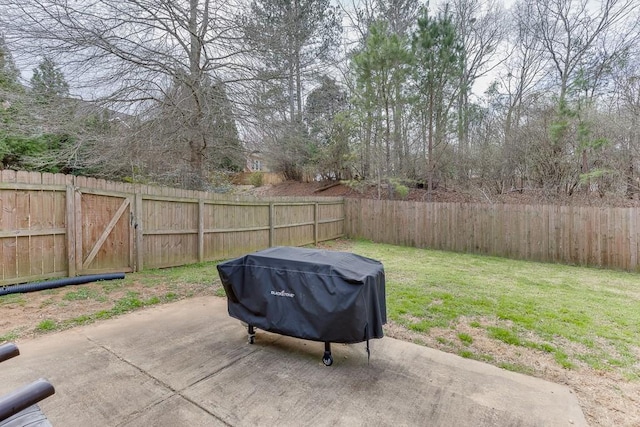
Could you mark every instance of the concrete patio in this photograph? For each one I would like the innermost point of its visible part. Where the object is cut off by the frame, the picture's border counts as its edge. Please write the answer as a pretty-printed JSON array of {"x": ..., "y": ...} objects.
[{"x": 189, "y": 364}]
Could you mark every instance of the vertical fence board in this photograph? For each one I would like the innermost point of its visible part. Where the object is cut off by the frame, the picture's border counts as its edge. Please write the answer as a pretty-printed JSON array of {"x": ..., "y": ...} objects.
[
  {"x": 9, "y": 243},
  {"x": 139, "y": 227},
  {"x": 200, "y": 230},
  {"x": 23, "y": 220},
  {"x": 633, "y": 239},
  {"x": 71, "y": 230},
  {"x": 36, "y": 223}
]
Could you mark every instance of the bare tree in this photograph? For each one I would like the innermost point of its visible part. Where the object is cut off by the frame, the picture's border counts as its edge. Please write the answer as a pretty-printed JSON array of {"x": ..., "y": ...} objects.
[
  {"x": 518, "y": 87},
  {"x": 481, "y": 28},
  {"x": 131, "y": 53},
  {"x": 626, "y": 122},
  {"x": 571, "y": 32}
]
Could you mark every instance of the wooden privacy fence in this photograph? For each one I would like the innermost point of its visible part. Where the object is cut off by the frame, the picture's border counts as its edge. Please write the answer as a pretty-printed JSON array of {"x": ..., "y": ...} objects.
[
  {"x": 604, "y": 237},
  {"x": 54, "y": 225}
]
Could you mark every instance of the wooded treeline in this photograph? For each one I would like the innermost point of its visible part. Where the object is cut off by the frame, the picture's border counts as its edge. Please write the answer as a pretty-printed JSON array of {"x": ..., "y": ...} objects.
[{"x": 541, "y": 94}]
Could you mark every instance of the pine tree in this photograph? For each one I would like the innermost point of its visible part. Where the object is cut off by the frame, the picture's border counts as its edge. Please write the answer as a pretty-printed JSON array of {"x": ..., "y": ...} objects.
[
  {"x": 292, "y": 39},
  {"x": 381, "y": 71},
  {"x": 48, "y": 83},
  {"x": 438, "y": 55},
  {"x": 8, "y": 71}
]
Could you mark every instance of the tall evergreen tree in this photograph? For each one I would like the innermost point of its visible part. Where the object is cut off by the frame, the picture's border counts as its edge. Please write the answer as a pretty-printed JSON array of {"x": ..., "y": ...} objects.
[
  {"x": 438, "y": 54},
  {"x": 48, "y": 82},
  {"x": 14, "y": 118},
  {"x": 293, "y": 39},
  {"x": 322, "y": 106},
  {"x": 329, "y": 127},
  {"x": 381, "y": 70},
  {"x": 8, "y": 71}
]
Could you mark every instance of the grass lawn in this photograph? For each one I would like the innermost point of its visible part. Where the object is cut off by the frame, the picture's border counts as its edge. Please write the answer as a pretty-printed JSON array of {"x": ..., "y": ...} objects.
[{"x": 578, "y": 315}]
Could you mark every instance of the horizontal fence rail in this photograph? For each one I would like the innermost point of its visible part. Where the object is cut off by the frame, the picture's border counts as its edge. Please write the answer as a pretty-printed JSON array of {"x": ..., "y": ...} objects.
[
  {"x": 54, "y": 225},
  {"x": 590, "y": 236}
]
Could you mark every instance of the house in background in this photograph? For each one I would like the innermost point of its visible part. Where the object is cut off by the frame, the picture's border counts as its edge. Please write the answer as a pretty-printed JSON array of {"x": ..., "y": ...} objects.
[{"x": 256, "y": 162}]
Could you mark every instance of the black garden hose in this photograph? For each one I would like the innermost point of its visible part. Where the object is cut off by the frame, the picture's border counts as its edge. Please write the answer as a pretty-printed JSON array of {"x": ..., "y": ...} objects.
[{"x": 51, "y": 284}]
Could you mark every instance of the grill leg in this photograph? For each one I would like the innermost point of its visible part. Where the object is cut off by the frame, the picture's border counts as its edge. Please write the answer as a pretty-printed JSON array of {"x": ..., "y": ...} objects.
[
  {"x": 327, "y": 358},
  {"x": 251, "y": 334}
]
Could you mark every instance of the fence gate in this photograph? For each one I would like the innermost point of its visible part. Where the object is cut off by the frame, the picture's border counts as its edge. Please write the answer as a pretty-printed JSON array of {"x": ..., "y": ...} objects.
[{"x": 104, "y": 233}]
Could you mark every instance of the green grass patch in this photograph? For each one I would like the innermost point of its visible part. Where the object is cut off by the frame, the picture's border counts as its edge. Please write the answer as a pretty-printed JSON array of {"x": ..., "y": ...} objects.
[
  {"x": 563, "y": 359},
  {"x": 504, "y": 335},
  {"x": 82, "y": 294},
  {"x": 465, "y": 338},
  {"x": 170, "y": 296},
  {"x": 467, "y": 354},
  {"x": 109, "y": 286},
  {"x": 176, "y": 283},
  {"x": 443, "y": 341},
  {"x": 128, "y": 303},
  {"x": 546, "y": 347},
  {"x": 9, "y": 336},
  {"x": 84, "y": 319},
  {"x": 515, "y": 367},
  {"x": 47, "y": 325},
  {"x": 578, "y": 314},
  {"x": 18, "y": 299}
]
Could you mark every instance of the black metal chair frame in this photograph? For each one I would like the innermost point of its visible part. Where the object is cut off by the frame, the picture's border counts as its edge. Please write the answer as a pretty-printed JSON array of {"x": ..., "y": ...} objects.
[{"x": 24, "y": 399}]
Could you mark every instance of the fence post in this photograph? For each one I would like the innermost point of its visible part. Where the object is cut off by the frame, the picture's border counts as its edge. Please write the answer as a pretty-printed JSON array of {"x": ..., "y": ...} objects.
[
  {"x": 77, "y": 206},
  {"x": 200, "y": 230},
  {"x": 138, "y": 226},
  {"x": 633, "y": 240},
  {"x": 315, "y": 224},
  {"x": 71, "y": 235},
  {"x": 271, "y": 225}
]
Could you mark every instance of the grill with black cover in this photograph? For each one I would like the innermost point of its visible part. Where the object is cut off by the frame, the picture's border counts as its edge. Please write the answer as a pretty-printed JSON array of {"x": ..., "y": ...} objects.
[{"x": 313, "y": 294}]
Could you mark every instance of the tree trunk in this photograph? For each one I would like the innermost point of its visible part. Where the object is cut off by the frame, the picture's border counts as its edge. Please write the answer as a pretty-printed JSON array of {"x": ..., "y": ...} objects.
[
  {"x": 298, "y": 89},
  {"x": 292, "y": 102},
  {"x": 197, "y": 143},
  {"x": 397, "y": 132},
  {"x": 387, "y": 135},
  {"x": 430, "y": 163}
]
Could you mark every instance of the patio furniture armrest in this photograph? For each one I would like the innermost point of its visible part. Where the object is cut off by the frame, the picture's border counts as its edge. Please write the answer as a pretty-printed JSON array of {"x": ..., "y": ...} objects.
[
  {"x": 24, "y": 397},
  {"x": 8, "y": 350}
]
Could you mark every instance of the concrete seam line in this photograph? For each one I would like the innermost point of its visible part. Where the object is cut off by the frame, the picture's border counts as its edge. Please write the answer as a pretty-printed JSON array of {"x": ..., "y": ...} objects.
[
  {"x": 137, "y": 413},
  {"x": 231, "y": 363},
  {"x": 165, "y": 385}
]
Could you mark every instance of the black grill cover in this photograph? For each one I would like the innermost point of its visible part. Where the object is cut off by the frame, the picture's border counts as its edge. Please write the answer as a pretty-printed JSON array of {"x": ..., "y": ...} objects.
[{"x": 312, "y": 294}]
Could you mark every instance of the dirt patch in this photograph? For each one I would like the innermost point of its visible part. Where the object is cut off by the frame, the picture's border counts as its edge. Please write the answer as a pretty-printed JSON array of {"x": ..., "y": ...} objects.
[
  {"x": 444, "y": 195},
  {"x": 329, "y": 189},
  {"x": 28, "y": 315}
]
